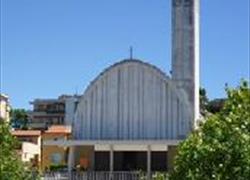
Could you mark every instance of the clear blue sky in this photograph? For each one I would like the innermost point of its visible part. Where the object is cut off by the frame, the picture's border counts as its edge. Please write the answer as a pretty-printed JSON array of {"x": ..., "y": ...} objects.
[{"x": 50, "y": 47}]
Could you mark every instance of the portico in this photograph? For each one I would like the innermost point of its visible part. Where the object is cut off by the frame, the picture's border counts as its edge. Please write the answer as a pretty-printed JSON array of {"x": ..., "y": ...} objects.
[{"x": 122, "y": 155}]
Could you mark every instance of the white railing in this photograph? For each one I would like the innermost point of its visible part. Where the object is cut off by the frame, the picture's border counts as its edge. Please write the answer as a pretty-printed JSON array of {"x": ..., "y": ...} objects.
[{"x": 96, "y": 175}]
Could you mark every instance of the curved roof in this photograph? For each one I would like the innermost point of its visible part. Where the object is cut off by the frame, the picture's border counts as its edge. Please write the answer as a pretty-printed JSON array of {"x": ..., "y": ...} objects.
[
  {"x": 131, "y": 96},
  {"x": 125, "y": 61}
]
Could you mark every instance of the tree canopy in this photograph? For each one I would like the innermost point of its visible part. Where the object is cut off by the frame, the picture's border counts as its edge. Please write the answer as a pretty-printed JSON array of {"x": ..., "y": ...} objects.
[
  {"x": 203, "y": 101},
  {"x": 220, "y": 147},
  {"x": 208, "y": 106},
  {"x": 11, "y": 166},
  {"x": 19, "y": 118},
  {"x": 215, "y": 105}
]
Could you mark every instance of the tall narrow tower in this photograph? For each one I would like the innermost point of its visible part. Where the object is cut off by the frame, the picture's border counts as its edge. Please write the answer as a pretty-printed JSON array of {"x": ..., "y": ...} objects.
[{"x": 186, "y": 50}]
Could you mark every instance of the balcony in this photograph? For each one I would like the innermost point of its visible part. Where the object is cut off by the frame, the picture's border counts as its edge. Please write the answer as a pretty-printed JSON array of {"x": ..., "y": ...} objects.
[
  {"x": 34, "y": 125},
  {"x": 47, "y": 113}
]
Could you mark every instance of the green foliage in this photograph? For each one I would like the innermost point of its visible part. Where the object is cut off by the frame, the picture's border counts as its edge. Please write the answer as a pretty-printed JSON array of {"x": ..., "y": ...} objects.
[
  {"x": 154, "y": 176},
  {"x": 57, "y": 167},
  {"x": 19, "y": 116},
  {"x": 11, "y": 167},
  {"x": 209, "y": 106},
  {"x": 203, "y": 101},
  {"x": 220, "y": 148},
  {"x": 215, "y": 106},
  {"x": 160, "y": 176}
]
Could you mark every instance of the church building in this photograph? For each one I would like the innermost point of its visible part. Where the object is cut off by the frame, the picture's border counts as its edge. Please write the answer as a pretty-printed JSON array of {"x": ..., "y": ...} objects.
[{"x": 132, "y": 115}]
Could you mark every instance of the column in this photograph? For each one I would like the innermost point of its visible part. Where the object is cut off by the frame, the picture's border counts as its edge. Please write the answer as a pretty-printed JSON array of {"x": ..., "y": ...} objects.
[
  {"x": 71, "y": 158},
  {"x": 148, "y": 162},
  {"x": 111, "y": 161}
]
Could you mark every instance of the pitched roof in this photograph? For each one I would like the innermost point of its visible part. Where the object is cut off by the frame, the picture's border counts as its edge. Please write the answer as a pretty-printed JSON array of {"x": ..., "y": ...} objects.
[
  {"x": 59, "y": 129},
  {"x": 26, "y": 133}
]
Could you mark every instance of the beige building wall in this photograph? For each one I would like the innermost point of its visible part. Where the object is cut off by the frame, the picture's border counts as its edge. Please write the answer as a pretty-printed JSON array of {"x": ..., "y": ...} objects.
[
  {"x": 4, "y": 107},
  {"x": 54, "y": 155}
]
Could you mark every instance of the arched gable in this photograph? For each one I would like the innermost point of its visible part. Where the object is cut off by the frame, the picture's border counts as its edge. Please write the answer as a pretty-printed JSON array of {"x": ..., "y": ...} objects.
[{"x": 132, "y": 100}]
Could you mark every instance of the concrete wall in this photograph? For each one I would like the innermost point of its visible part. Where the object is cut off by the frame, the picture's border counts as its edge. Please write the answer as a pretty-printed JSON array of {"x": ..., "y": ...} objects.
[
  {"x": 132, "y": 100},
  {"x": 186, "y": 49}
]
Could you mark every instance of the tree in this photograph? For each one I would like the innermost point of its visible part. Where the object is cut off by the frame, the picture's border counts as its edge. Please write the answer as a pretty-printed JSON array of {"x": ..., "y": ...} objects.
[
  {"x": 11, "y": 167},
  {"x": 19, "y": 117},
  {"x": 207, "y": 106},
  {"x": 203, "y": 101},
  {"x": 216, "y": 105},
  {"x": 220, "y": 148}
]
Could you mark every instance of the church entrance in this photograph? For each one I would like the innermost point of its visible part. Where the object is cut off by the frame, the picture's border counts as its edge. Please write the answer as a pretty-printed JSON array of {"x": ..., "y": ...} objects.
[{"x": 130, "y": 161}]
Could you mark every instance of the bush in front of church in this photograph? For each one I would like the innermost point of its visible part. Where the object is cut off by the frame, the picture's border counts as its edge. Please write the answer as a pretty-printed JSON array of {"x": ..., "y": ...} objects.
[{"x": 220, "y": 148}]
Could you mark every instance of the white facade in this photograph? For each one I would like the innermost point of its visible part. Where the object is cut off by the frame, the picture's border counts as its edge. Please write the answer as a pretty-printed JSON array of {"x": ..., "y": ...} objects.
[{"x": 132, "y": 100}]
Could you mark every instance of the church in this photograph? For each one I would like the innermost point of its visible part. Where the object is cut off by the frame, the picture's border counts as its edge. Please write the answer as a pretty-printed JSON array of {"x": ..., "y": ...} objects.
[{"x": 132, "y": 116}]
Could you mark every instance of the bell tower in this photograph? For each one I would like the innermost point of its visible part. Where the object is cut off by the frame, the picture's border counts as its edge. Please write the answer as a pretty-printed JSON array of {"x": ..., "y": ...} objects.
[{"x": 186, "y": 50}]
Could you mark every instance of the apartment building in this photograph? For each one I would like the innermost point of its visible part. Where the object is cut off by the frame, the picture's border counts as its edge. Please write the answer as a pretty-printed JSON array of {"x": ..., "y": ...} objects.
[{"x": 47, "y": 112}]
